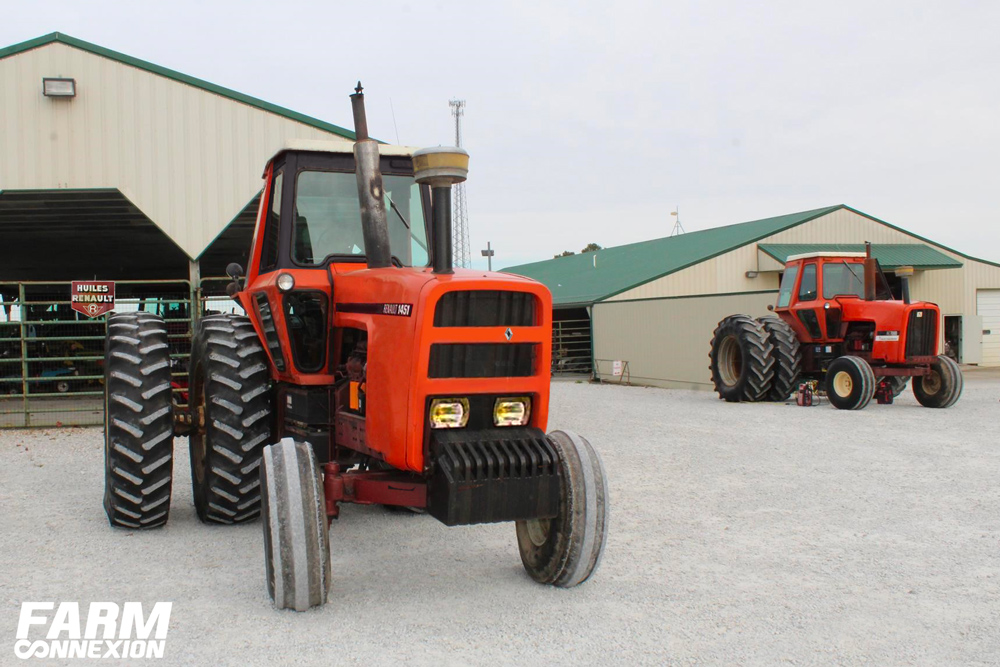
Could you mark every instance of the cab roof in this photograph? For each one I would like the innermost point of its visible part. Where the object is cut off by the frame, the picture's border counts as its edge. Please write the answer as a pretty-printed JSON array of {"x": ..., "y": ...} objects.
[
  {"x": 820, "y": 253},
  {"x": 344, "y": 147}
]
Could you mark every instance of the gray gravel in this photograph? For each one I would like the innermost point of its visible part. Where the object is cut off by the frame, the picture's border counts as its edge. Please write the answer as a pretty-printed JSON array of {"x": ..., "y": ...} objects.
[{"x": 740, "y": 533}]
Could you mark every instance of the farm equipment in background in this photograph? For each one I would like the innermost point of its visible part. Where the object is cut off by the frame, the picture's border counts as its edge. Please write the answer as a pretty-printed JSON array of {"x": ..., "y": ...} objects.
[
  {"x": 837, "y": 322},
  {"x": 367, "y": 370}
]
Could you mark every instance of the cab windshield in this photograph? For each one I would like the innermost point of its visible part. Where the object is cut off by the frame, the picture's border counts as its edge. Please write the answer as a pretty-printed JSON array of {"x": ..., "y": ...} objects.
[
  {"x": 843, "y": 279},
  {"x": 327, "y": 218}
]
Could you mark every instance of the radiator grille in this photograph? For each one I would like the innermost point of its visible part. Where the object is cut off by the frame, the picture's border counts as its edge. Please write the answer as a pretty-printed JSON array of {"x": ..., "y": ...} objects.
[
  {"x": 921, "y": 333},
  {"x": 485, "y": 308},
  {"x": 481, "y": 360}
]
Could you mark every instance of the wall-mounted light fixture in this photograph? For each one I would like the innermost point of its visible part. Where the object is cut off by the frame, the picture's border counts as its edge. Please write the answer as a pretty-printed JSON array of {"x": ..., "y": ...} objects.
[
  {"x": 751, "y": 274},
  {"x": 55, "y": 87}
]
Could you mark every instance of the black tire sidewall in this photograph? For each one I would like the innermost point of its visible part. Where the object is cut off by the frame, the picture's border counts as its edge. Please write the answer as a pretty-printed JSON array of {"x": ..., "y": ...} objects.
[{"x": 860, "y": 394}]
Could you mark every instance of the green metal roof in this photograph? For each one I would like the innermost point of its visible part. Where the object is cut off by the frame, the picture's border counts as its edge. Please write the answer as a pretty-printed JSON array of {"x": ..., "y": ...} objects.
[
  {"x": 176, "y": 76},
  {"x": 890, "y": 256},
  {"x": 593, "y": 276}
]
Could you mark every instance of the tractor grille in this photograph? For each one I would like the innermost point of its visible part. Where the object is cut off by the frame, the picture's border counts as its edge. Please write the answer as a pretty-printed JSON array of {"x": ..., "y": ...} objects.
[
  {"x": 481, "y": 360},
  {"x": 485, "y": 308},
  {"x": 921, "y": 333}
]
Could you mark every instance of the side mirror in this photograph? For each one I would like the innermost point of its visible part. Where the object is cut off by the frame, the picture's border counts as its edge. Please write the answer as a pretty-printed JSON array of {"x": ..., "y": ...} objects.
[
  {"x": 232, "y": 289},
  {"x": 234, "y": 271},
  {"x": 770, "y": 306}
]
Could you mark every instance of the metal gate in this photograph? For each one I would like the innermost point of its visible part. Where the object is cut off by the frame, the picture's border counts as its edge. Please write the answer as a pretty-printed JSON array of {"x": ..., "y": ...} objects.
[
  {"x": 571, "y": 346},
  {"x": 52, "y": 358}
]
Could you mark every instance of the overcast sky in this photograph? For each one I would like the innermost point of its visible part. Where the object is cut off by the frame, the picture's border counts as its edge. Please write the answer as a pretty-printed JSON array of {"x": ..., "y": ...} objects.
[{"x": 591, "y": 121}]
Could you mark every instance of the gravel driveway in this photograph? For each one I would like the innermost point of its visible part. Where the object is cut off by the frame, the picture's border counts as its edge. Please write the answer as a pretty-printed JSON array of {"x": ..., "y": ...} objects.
[{"x": 741, "y": 533}]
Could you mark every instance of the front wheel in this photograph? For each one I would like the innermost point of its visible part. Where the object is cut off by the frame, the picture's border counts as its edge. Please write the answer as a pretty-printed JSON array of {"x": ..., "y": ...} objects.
[
  {"x": 850, "y": 383},
  {"x": 296, "y": 534},
  {"x": 941, "y": 387},
  {"x": 565, "y": 550}
]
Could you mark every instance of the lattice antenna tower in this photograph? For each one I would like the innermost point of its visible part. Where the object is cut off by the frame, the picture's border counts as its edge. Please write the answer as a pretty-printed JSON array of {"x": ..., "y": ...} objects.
[
  {"x": 678, "y": 227},
  {"x": 461, "y": 251}
]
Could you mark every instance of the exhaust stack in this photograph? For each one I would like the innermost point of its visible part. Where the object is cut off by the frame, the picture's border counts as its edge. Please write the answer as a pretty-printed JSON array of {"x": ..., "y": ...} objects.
[
  {"x": 441, "y": 168},
  {"x": 870, "y": 273},
  {"x": 374, "y": 224}
]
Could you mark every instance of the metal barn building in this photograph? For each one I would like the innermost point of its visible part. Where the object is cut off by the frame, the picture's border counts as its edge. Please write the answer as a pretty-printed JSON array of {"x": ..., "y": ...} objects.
[
  {"x": 655, "y": 304},
  {"x": 125, "y": 169}
]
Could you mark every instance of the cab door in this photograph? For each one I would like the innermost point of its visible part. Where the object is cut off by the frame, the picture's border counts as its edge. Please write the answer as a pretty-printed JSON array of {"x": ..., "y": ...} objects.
[{"x": 808, "y": 307}]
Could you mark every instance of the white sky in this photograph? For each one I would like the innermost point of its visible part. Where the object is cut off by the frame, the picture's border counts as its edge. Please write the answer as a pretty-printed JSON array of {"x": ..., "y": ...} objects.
[{"x": 590, "y": 121}]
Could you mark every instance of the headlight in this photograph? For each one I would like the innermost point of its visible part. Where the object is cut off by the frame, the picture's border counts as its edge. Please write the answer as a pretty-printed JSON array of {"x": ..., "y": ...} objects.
[
  {"x": 511, "y": 411},
  {"x": 285, "y": 282},
  {"x": 449, "y": 412}
]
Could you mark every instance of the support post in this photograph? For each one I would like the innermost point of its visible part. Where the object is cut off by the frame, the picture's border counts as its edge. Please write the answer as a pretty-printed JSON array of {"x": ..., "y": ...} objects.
[
  {"x": 194, "y": 277},
  {"x": 24, "y": 356}
]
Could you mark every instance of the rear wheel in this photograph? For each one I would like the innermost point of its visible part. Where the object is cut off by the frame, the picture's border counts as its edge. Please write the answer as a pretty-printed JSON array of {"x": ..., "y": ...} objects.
[
  {"x": 787, "y": 357},
  {"x": 230, "y": 390},
  {"x": 138, "y": 422},
  {"x": 566, "y": 549},
  {"x": 296, "y": 533},
  {"x": 742, "y": 362},
  {"x": 942, "y": 387},
  {"x": 850, "y": 383}
]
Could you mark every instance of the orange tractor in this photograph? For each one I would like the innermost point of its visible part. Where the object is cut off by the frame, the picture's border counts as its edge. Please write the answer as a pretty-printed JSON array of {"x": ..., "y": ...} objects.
[
  {"x": 837, "y": 322},
  {"x": 366, "y": 370}
]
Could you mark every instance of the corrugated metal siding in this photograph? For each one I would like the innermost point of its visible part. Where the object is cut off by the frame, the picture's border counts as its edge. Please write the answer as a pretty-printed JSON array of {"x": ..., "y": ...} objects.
[
  {"x": 666, "y": 341},
  {"x": 190, "y": 159}
]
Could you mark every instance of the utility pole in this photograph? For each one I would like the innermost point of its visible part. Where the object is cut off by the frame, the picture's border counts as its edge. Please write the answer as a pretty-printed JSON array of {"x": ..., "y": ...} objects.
[
  {"x": 488, "y": 254},
  {"x": 460, "y": 213}
]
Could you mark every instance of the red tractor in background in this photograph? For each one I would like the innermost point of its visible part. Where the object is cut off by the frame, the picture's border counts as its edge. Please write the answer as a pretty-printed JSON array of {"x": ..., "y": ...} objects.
[
  {"x": 366, "y": 370},
  {"x": 837, "y": 322}
]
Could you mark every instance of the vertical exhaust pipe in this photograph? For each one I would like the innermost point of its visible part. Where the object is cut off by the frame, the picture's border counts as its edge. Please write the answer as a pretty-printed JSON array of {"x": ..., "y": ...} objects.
[
  {"x": 374, "y": 223},
  {"x": 441, "y": 168},
  {"x": 904, "y": 273},
  {"x": 870, "y": 273}
]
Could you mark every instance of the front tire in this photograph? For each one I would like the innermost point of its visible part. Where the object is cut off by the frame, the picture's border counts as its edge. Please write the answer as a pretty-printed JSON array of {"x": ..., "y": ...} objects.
[
  {"x": 296, "y": 533},
  {"x": 942, "y": 387},
  {"x": 850, "y": 383},
  {"x": 742, "y": 364},
  {"x": 138, "y": 422},
  {"x": 230, "y": 388},
  {"x": 565, "y": 551}
]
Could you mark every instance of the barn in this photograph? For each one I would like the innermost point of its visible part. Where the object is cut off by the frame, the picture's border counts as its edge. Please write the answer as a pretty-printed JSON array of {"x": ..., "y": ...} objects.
[{"x": 652, "y": 306}]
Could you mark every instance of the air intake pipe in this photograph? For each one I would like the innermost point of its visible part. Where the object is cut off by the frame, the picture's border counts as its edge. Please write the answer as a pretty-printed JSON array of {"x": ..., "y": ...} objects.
[
  {"x": 904, "y": 273},
  {"x": 441, "y": 168},
  {"x": 870, "y": 273},
  {"x": 371, "y": 197}
]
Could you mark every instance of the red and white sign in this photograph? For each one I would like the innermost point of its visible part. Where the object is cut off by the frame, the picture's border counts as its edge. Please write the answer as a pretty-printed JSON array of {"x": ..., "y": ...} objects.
[{"x": 93, "y": 298}]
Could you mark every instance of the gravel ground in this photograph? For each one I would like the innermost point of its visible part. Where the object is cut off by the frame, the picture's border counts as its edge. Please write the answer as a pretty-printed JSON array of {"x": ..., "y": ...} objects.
[{"x": 740, "y": 534}]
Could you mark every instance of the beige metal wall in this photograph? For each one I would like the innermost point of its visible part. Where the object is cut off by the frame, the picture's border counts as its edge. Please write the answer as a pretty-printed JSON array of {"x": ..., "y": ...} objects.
[
  {"x": 188, "y": 158},
  {"x": 666, "y": 341},
  {"x": 954, "y": 290}
]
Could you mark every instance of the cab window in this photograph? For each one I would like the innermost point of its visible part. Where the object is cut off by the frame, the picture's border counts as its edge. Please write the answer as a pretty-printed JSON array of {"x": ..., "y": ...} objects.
[
  {"x": 807, "y": 288},
  {"x": 787, "y": 285},
  {"x": 269, "y": 256}
]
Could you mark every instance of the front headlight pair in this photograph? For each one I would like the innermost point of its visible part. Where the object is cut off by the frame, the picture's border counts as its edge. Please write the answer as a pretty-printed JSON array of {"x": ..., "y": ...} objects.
[{"x": 454, "y": 412}]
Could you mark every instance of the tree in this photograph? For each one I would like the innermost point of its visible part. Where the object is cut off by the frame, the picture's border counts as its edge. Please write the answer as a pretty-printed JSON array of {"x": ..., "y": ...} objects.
[
  {"x": 565, "y": 253},
  {"x": 592, "y": 247}
]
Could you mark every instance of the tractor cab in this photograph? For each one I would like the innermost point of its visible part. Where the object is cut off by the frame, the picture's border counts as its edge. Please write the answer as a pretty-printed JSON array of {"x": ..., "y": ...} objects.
[{"x": 842, "y": 302}]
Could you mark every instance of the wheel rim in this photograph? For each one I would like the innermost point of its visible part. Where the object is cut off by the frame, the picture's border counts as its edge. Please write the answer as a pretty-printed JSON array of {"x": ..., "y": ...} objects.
[
  {"x": 538, "y": 531},
  {"x": 730, "y": 361},
  {"x": 62, "y": 387},
  {"x": 843, "y": 384},
  {"x": 932, "y": 383}
]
